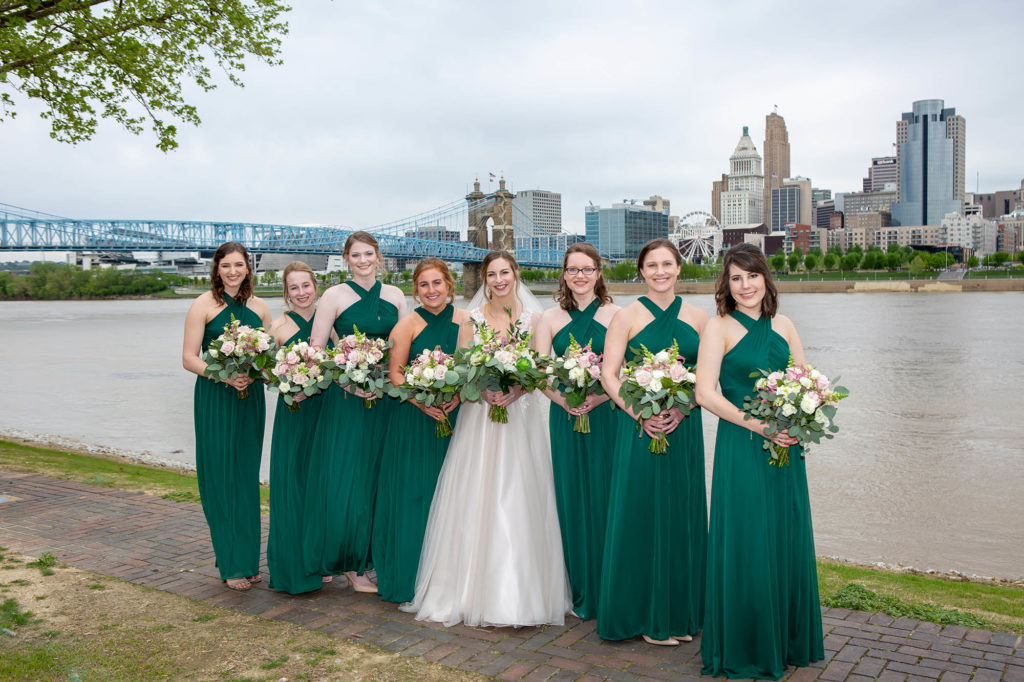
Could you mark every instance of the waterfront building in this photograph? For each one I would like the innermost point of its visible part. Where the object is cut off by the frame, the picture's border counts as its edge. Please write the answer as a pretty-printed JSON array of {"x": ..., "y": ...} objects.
[
  {"x": 437, "y": 233},
  {"x": 794, "y": 203},
  {"x": 882, "y": 173},
  {"x": 915, "y": 236},
  {"x": 737, "y": 234},
  {"x": 930, "y": 143},
  {"x": 872, "y": 219},
  {"x": 717, "y": 187},
  {"x": 776, "y": 157},
  {"x": 619, "y": 232},
  {"x": 1000, "y": 203},
  {"x": 823, "y": 211},
  {"x": 536, "y": 211},
  {"x": 1011, "y": 232},
  {"x": 835, "y": 221},
  {"x": 855, "y": 202},
  {"x": 970, "y": 232},
  {"x": 743, "y": 202},
  {"x": 804, "y": 237}
]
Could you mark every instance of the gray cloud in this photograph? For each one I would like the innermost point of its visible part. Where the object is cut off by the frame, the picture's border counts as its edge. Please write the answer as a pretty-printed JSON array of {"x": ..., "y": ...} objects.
[{"x": 384, "y": 110}]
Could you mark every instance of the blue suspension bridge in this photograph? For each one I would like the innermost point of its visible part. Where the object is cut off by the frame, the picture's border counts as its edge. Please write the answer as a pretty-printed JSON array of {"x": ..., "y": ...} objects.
[{"x": 441, "y": 232}]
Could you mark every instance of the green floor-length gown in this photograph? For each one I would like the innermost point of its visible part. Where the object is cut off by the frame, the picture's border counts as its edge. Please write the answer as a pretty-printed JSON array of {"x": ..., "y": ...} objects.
[
  {"x": 762, "y": 595},
  {"x": 345, "y": 460},
  {"x": 229, "y": 445},
  {"x": 582, "y": 465},
  {"x": 290, "y": 449},
  {"x": 652, "y": 580},
  {"x": 411, "y": 462}
]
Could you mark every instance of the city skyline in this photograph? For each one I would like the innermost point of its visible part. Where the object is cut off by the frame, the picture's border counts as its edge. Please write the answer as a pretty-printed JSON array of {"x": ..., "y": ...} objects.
[{"x": 381, "y": 113}]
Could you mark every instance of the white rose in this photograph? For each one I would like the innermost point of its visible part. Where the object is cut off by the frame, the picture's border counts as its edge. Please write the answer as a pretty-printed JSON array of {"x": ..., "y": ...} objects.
[
  {"x": 663, "y": 357},
  {"x": 815, "y": 374},
  {"x": 576, "y": 375},
  {"x": 806, "y": 382},
  {"x": 788, "y": 410},
  {"x": 657, "y": 375},
  {"x": 357, "y": 375},
  {"x": 821, "y": 419},
  {"x": 809, "y": 404},
  {"x": 570, "y": 363},
  {"x": 284, "y": 387},
  {"x": 428, "y": 374}
]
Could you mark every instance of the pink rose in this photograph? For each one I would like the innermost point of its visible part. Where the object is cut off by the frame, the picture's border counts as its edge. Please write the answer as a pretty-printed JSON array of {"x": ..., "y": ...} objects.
[
  {"x": 677, "y": 373},
  {"x": 643, "y": 377},
  {"x": 595, "y": 372},
  {"x": 228, "y": 347}
]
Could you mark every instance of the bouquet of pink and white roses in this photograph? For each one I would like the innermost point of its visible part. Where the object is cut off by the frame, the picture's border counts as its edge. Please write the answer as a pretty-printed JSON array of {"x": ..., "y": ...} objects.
[
  {"x": 654, "y": 383},
  {"x": 361, "y": 361},
  {"x": 578, "y": 373},
  {"x": 799, "y": 400},
  {"x": 498, "y": 364},
  {"x": 297, "y": 370},
  {"x": 240, "y": 350},
  {"x": 431, "y": 379}
]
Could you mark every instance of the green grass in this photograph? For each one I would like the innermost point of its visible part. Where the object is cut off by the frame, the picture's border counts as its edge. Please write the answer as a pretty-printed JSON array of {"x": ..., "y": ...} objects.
[
  {"x": 172, "y": 484},
  {"x": 11, "y": 615},
  {"x": 999, "y": 607},
  {"x": 44, "y": 563}
]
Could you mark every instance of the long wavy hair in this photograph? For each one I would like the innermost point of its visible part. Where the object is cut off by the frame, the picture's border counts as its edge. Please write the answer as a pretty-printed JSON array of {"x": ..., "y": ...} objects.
[
  {"x": 564, "y": 294},
  {"x": 659, "y": 243},
  {"x": 751, "y": 259},
  {"x": 433, "y": 264},
  {"x": 217, "y": 284},
  {"x": 490, "y": 258},
  {"x": 298, "y": 266}
]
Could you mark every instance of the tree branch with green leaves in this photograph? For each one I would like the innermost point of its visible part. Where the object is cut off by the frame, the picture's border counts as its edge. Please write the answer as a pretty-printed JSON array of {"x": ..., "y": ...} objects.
[{"x": 128, "y": 60}]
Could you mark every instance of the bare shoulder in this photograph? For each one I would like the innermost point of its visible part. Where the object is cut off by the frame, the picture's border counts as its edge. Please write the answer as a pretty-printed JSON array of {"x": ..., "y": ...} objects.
[
  {"x": 203, "y": 302},
  {"x": 279, "y": 322},
  {"x": 554, "y": 316},
  {"x": 390, "y": 292},
  {"x": 606, "y": 313},
  {"x": 460, "y": 316},
  {"x": 694, "y": 313},
  {"x": 783, "y": 325}
]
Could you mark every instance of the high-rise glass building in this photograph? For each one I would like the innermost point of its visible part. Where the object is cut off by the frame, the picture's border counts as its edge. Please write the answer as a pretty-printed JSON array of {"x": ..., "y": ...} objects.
[
  {"x": 619, "y": 232},
  {"x": 930, "y": 143},
  {"x": 536, "y": 212}
]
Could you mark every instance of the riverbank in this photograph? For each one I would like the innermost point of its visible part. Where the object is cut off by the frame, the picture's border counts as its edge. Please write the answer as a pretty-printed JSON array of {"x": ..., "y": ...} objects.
[
  {"x": 985, "y": 596},
  {"x": 863, "y": 286}
]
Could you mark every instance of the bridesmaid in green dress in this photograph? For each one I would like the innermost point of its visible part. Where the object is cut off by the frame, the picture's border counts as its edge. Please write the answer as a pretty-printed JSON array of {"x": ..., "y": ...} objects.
[
  {"x": 345, "y": 460},
  {"x": 582, "y": 463},
  {"x": 762, "y": 594},
  {"x": 413, "y": 454},
  {"x": 229, "y": 431},
  {"x": 291, "y": 444},
  {"x": 652, "y": 581}
]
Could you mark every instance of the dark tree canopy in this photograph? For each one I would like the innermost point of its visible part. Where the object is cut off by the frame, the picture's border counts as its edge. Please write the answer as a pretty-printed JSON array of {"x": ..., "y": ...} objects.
[{"x": 127, "y": 60}]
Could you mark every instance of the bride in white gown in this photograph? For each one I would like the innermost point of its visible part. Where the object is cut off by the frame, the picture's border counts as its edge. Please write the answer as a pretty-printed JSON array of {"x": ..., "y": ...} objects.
[{"x": 492, "y": 552}]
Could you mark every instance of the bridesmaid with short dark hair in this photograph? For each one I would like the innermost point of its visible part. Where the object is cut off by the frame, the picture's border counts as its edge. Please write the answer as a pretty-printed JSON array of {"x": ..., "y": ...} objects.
[
  {"x": 229, "y": 430},
  {"x": 763, "y": 612}
]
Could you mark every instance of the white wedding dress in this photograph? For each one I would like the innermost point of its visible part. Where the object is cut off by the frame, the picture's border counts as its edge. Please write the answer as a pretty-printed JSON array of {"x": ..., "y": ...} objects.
[{"x": 492, "y": 552}]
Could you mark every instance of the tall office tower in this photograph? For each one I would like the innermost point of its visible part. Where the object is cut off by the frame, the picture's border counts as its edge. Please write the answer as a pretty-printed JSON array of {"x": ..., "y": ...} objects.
[
  {"x": 537, "y": 211},
  {"x": 776, "y": 157},
  {"x": 882, "y": 171},
  {"x": 743, "y": 202},
  {"x": 717, "y": 187},
  {"x": 930, "y": 144},
  {"x": 791, "y": 203}
]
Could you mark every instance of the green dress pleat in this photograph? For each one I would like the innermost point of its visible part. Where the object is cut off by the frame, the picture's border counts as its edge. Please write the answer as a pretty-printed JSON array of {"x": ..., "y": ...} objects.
[
  {"x": 229, "y": 445},
  {"x": 345, "y": 459},
  {"x": 652, "y": 580},
  {"x": 290, "y": 449},
  {"x": 411, "y": 462},
  {"x": 582, "y": 467},
  {"x": 762, "y": 594}
]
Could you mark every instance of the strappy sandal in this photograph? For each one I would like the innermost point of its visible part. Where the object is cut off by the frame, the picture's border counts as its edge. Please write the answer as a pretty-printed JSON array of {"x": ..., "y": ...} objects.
[
  {"x": 238, "y": 584},
  {"x": 253, "y": 579}
]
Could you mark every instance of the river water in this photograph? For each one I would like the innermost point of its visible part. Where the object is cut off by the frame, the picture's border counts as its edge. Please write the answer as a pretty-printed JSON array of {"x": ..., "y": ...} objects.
[{"x": 927, "y": 471}]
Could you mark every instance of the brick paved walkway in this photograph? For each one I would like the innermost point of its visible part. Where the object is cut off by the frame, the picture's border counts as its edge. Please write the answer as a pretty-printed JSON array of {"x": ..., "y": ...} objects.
[{"x": 150, "y": 541}]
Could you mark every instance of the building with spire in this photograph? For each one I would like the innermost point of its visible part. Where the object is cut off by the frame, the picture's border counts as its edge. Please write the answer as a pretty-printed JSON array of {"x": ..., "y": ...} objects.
[
  {"x": 743, "y": 202},
  {"x": 930, "y": 148},
  {"x": 776, "y": 157}
]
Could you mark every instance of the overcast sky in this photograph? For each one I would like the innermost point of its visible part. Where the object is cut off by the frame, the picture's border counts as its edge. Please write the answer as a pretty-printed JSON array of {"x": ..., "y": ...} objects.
[{"x": 385, "y": 110}]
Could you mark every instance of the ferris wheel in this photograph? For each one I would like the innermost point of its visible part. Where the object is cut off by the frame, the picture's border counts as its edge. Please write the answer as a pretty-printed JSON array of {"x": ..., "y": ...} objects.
[{"x": 699, "y": 236}]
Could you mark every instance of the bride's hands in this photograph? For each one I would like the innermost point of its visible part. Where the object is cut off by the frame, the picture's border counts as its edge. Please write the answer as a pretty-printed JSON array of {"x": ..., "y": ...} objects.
[{"x": 500, "y": 398}]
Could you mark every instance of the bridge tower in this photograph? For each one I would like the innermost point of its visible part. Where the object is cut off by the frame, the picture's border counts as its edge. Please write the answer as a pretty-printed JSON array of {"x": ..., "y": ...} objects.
[{"x": 496, "y": 208}]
